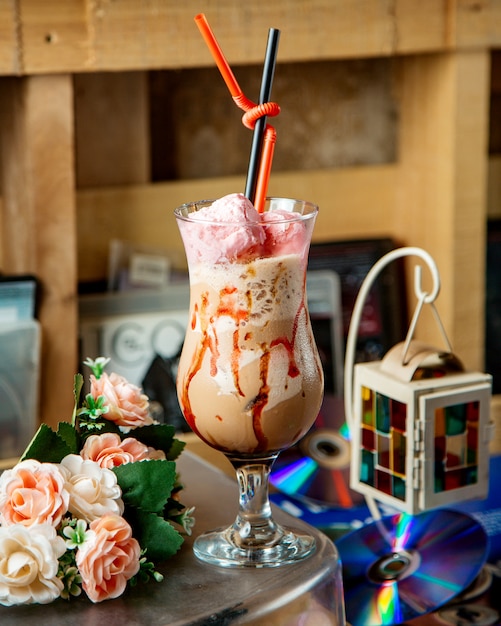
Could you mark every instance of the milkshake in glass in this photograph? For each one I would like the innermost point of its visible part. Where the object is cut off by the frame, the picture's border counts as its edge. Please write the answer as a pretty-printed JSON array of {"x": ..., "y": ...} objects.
[{"x": 250, "y": 381}]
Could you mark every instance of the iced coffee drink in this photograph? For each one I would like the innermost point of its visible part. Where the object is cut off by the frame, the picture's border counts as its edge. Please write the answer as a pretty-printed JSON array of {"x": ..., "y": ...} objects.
[{"x": 249, "y": 381}]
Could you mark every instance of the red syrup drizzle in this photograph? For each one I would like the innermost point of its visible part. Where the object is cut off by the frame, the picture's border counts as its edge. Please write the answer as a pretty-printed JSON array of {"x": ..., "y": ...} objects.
[
  {"x": 196, "y": 364},
  {"x": 209, "y": 342},
  {"x": 227, "y": 307}
]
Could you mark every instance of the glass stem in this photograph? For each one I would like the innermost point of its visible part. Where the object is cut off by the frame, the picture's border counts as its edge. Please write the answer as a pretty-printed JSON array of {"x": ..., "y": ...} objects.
[{"x": 254, "y": 525}]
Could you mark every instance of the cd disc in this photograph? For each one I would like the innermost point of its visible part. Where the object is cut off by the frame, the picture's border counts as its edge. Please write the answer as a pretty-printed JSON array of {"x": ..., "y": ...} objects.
[
  {"x": 318, "y": 468},
  {"x": 404, "y": 566}
]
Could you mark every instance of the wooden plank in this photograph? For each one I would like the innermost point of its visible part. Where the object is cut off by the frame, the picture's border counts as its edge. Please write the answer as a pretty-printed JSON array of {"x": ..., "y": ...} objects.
[
  {"x": 83, "y": 35},
  {"x": 55, "y": 36},
  {"x": 10, "y": 61},
  {"x": 354, "y": 202},
  {"x": 495, "y": 416},
  {"x": 135, "y": 34},
  {"x": 111, "y": 129},
  {"x": 470, "y": 191},
  {"x": 424, "y": 27},
  {"x": 478, "y": 24},
  {"x": 441, "y": 193},
  {"x": 38, "y": 221}
]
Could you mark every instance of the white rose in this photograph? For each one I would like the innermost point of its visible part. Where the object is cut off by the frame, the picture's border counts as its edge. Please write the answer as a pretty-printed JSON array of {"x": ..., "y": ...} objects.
[
  {"x": 93, "y": 490},
  {"x": 29, "y": 564}
]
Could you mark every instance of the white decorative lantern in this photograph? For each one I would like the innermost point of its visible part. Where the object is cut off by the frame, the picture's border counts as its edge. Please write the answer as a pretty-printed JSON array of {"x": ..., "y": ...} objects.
[
  {"x": 419, "y": 423},
  {"x": 421, "y": 429}
]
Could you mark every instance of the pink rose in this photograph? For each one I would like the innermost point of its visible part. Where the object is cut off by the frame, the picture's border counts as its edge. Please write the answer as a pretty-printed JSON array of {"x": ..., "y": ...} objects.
[
  {"x": 127, "y": 405},
  {"x": 109, "y": 451},
  {"x": 33, "y": 493},
  {"x": 108, "y": 559}
]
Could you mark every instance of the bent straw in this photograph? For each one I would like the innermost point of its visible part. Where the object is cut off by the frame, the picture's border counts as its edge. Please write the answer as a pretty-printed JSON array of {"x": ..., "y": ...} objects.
[
  {"x": 255, "y": 115},
  {"x": 260, "y": 125}
]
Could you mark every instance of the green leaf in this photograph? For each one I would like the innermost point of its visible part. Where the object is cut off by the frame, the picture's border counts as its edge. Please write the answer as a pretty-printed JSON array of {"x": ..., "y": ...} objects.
[
  {"x": 160, "y": 539},
  {"x": 175, "y": 450},
  {"x": 160, "y": 437},
  {"x": 146, "y": 484},
  {"x": 46, "y": 446},
  {"x": 69, "y": 434}
]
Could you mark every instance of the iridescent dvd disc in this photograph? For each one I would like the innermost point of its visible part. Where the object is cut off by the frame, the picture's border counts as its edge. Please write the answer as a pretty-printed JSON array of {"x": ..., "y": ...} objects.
[
  {"x": 318, "y": 468},
  {"x": 402, "y": 567}
]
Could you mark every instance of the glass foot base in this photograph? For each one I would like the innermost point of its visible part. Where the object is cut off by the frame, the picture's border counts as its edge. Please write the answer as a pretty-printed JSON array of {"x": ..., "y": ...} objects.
[{"x": 225, "y": 548}]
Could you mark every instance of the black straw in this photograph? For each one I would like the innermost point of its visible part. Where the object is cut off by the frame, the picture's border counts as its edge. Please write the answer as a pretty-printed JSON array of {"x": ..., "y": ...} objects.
[{"x": 260, "y": 126}]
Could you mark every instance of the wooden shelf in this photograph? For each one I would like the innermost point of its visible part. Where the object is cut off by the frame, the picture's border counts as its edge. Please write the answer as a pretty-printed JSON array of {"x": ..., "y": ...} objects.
[
  {"x": 83, "y": 36},
  {"x": 436, "y": 195}
]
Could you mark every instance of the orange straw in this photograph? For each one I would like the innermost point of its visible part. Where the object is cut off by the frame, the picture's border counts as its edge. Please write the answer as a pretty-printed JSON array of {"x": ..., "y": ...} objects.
[
  {"x": 217, "y": 53},
  {"x": 252, "y": 111},
  {"x": 263, "y": 177}
]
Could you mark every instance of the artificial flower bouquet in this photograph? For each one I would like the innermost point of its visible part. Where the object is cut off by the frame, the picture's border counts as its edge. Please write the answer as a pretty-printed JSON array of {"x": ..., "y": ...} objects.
[{"x": 94, "y": 505}]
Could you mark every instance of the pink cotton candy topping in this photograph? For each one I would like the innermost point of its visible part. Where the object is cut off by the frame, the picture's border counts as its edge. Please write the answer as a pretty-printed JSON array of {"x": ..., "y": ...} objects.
[
  {"x": 231, "y": 229},
  {"x": 284, "y": 234},
  {"x": 232, "y": 209}
]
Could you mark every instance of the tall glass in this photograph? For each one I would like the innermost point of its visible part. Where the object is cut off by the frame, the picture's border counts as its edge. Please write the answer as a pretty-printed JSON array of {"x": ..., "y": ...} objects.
[{"x": 250, "y": 381}]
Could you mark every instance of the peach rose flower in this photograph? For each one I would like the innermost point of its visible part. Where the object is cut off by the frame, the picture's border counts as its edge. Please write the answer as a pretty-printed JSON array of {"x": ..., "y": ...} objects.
[
  {"x": 108, "y": 450},
  {"x": 33, "y": 493},
  {"x": 108, "y": 559},
  {"x": 127, "y": 405},
  {"x": 29, "y": 564}
]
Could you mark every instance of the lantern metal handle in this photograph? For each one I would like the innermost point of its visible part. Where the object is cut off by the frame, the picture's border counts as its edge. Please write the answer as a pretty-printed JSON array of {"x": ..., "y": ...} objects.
[
  {"x": 423, "y": 297},
  {"x": 410, "y": 333}
]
